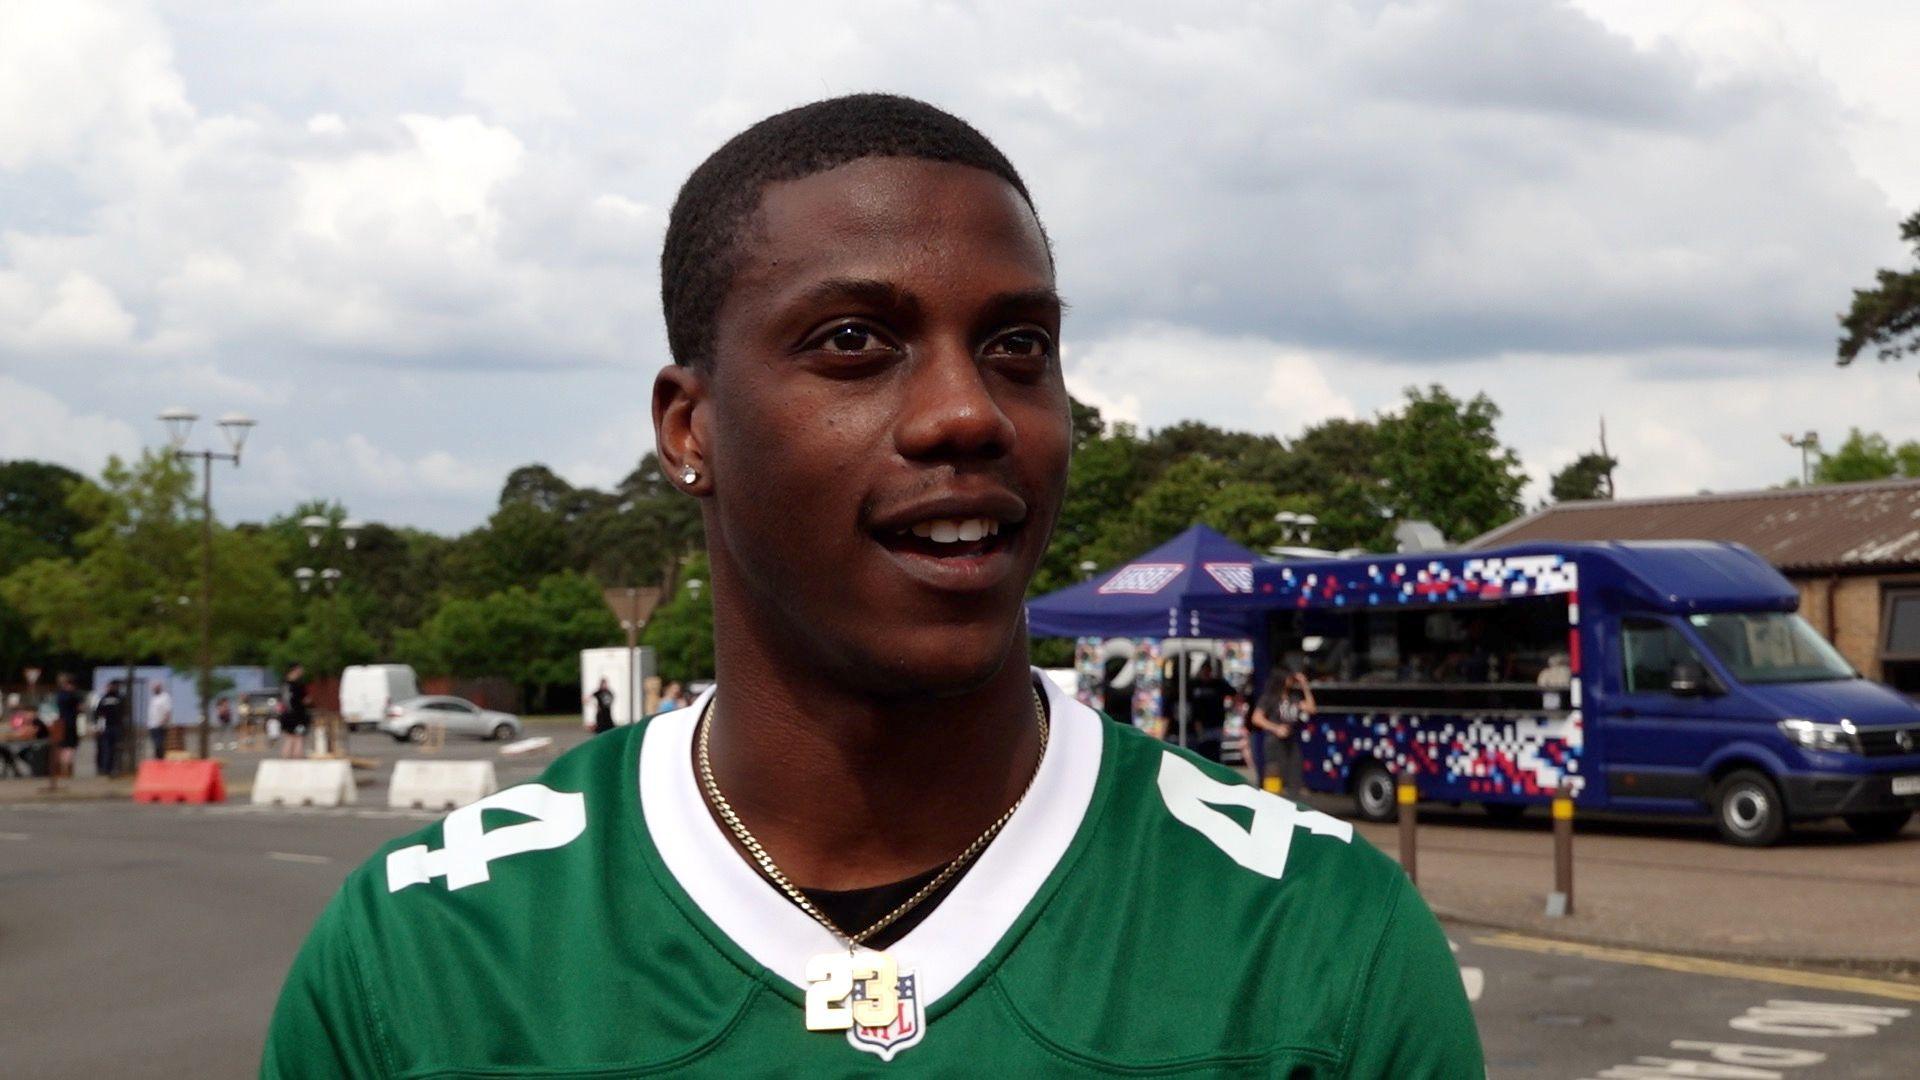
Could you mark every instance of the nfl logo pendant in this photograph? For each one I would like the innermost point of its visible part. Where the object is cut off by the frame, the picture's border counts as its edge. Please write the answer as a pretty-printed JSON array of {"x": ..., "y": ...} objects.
[
  {"x": 902, "y": 1030},
  {"x": 865, "y": 994}
]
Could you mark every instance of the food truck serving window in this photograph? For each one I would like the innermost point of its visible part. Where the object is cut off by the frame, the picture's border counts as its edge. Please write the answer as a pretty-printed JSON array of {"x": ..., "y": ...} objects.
[{"x": 1469, "y": 657}]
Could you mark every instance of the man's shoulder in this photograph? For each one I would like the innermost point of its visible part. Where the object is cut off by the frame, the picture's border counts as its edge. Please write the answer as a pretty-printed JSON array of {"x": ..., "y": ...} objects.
[
  {"x": 1191, "y": 878},
  {"x": 516, "y": 836},
  {"x": 1206, "y": 820}
]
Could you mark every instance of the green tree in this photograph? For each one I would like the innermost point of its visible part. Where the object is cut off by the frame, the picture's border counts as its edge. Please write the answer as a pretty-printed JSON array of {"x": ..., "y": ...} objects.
[
  {"x": 1440, "y": 460},
  {"x": 681, "y": 630},
  {"x": 530, "y": 635},
  {"x": 36, "y": 522},
  {"x": 1886, "y": 318},
  {"x": 132, "y": 589},
  {"x": 1867, "y": 456},
  {"x": 1589, "y": 476}
]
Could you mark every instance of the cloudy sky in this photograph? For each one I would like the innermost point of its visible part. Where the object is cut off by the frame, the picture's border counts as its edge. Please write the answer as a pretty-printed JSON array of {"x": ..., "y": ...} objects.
[{"x": 418, "y": 241}]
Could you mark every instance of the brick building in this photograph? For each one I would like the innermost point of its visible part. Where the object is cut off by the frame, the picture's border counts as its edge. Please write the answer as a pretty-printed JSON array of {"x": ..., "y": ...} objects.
[{"x": 1853, "y": 551}]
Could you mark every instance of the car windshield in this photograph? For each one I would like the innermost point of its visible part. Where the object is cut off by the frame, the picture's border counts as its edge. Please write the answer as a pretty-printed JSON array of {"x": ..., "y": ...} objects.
[{"x": 1771, "y": 647}]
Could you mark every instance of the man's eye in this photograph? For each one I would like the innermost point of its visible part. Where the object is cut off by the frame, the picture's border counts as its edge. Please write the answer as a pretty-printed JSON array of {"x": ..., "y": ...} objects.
[
  {"x": 851, "y": 338},
  {"x": 1025, "y": 344}
]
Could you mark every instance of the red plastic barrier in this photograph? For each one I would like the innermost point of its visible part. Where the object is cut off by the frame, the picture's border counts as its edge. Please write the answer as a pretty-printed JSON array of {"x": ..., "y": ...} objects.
[{"x": 179, "y": 781}]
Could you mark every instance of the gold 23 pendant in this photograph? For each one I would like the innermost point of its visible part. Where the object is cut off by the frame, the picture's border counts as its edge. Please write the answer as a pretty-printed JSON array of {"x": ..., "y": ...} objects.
[{"x": 854, "y": 987}]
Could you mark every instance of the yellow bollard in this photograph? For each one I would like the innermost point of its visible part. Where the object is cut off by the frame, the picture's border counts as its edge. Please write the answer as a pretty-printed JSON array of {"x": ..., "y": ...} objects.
[{"x": 1560, "y": 901}]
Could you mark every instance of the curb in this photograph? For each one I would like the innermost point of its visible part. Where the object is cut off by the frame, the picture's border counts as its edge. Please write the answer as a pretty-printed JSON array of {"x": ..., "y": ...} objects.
[{"x": 1902, "y": 970}]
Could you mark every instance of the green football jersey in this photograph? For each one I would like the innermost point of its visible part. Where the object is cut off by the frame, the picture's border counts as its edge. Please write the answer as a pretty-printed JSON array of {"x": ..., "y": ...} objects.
[{"x": 1143, "y": 912}]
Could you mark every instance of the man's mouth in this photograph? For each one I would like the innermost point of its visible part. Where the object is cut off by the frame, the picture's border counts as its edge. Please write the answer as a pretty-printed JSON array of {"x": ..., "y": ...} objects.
[{"x": 951, "y": 538}]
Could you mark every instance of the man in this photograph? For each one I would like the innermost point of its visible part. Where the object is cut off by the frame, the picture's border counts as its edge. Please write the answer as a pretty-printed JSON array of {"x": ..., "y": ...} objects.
[
  {"x": 108, "y": 712},
  {"x": 294, "y": 724},
  {"x": 159, "y": 718},
  {"x": 881, "y": 834}
]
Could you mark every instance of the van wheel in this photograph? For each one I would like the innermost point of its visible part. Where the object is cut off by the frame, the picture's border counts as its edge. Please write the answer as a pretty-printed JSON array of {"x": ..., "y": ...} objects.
[
  {"x": 1881, "y": 826},
  {"x": 1749, "y": 810},
  {"x": 1373, "y": 794}
]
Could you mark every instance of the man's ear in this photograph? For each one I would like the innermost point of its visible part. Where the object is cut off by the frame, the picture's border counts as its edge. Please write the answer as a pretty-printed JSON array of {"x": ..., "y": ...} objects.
[{"x": 679, "y": 394}]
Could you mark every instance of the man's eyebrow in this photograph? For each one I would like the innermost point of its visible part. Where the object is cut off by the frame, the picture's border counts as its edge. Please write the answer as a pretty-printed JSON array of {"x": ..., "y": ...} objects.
[
  {"x": 1020, "y": 300},
  {"x": 867, "y": 291}
]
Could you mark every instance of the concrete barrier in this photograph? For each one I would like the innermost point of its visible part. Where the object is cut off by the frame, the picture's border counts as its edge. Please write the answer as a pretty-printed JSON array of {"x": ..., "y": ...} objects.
[
  {"x": 293, "y": 782},
  {"x": 440, "y": 785}
]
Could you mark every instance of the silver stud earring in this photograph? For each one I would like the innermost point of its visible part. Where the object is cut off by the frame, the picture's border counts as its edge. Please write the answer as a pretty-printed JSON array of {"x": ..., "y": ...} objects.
[{"x": 689, "y": 474}]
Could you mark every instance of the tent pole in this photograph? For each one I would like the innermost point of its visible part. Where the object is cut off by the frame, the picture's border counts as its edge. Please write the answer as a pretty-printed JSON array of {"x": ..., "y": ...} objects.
[{"x": 1181, "y": 707}]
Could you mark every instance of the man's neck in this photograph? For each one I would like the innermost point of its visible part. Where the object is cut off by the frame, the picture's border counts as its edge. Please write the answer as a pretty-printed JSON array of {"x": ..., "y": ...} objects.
[{"x": 848, "y": 790}]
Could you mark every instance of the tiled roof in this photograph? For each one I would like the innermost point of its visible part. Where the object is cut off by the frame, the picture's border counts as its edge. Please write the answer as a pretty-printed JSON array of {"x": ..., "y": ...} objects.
[{"x": 1873, "y": 525}]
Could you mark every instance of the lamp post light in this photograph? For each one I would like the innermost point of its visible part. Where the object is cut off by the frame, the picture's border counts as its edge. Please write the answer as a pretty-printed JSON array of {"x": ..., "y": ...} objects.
[
  {"x": 1808, "y": 444},
  {"x": 320, "y": 529},
  {"x": 236, "y": 427}
]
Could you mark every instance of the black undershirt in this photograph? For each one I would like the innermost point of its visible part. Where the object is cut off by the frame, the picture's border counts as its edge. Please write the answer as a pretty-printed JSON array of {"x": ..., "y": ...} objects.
[{"x": 853, "y": 910}]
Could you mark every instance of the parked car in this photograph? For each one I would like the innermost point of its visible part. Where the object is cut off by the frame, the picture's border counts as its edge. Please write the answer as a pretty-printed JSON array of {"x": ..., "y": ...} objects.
[
  {"x": 250, "y": 704},
  {"x": 408, "y": 720}
]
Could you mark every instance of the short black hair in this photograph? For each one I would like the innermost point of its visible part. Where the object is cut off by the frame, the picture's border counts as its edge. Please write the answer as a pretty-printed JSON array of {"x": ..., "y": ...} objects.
[{"x": 716, "y": 203}]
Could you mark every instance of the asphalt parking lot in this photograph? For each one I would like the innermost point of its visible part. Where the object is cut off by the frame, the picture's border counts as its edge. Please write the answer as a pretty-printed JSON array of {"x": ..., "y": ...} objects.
[{"x": 154, "y": 940}]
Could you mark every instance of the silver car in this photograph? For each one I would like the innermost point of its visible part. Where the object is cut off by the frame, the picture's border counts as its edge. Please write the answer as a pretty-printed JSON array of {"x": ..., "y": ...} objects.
[{"x": 409, "y": 720}]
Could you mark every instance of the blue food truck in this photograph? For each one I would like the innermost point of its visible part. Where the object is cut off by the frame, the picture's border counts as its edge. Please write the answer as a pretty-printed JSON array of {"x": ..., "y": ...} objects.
[{"x": 1655, "y": 677}]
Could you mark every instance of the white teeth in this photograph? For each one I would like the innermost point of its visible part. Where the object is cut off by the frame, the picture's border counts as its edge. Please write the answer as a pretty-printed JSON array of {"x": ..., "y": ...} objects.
[{"x": 954, "y": 530}]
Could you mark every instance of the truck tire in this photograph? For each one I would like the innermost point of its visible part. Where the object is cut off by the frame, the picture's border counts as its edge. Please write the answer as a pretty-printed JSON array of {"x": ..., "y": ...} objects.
[
  {"x": 1884, "y": 825},
  {"x": 1373, "y": 793},
  {"x": 1749, "y": 810}
]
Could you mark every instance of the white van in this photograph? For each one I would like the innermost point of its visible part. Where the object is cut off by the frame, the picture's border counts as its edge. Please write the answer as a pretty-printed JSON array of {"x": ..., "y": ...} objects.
[{"x": 367, "y": 689}]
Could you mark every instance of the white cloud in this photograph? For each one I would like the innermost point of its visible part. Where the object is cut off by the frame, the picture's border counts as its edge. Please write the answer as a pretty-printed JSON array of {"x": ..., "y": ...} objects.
[
  {"x": 35, "y": 424},
  {"x": 1266, "y": 215}
]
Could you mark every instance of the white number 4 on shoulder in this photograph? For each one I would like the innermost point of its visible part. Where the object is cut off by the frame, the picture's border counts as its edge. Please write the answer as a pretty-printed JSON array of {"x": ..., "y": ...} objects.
[
  {"x": 1194, "y": 799},
  {"x": 467, "y": 847}
]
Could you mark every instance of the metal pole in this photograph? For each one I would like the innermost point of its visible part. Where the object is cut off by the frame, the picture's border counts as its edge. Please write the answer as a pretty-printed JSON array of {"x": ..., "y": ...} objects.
[
  {"x": 206, "y": 605},
  {"x": 1180, "y": 703},
  {"x": 1560, "y": 902},
  {"x": 1408, "y": 796}
]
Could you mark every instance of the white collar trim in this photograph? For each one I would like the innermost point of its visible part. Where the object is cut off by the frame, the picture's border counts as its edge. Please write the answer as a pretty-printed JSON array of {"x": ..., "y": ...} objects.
[{"x": 955, "y": 936}]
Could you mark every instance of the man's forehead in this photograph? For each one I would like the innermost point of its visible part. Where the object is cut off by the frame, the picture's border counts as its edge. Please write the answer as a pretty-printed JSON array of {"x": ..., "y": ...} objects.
[{"x": 861, "y": 219}]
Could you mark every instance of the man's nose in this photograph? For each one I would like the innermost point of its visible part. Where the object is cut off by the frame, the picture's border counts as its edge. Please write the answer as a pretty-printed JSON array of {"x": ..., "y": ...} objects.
[{"x": 949, "y": 409}]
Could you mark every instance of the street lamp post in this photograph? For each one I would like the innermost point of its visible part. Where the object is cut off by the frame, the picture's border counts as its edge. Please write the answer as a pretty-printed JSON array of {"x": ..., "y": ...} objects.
[
  {"x": 319, "y": 528},
  {"x": 1808, "y": 445},
  {"x": 235, "y": 427}
]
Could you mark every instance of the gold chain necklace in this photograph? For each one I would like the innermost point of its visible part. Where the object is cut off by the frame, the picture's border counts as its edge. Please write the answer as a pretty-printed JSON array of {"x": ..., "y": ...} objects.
[{"x": 832, "y": 978}]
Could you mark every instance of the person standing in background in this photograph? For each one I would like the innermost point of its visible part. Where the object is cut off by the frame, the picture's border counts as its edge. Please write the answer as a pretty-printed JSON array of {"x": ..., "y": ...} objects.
[
  {"x": 1284, "y": 706},
  {"x": 294, "y": 726},
  {"x": 108, "y": 713},
  {"x": 66, "y": 703},
  {"x": 159, "y": 718},
  {"x": 602, "y": 699}
]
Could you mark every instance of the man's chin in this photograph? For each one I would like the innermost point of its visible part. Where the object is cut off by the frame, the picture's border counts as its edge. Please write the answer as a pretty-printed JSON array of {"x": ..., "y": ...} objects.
[{"x": 948, "y": 666}]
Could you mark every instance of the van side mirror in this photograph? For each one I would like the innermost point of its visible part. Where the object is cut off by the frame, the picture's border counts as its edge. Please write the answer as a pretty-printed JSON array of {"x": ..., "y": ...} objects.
[{"x": 1691, "y": 680}]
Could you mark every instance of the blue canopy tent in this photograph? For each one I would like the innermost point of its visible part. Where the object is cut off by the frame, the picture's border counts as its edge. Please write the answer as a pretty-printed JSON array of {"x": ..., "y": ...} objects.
[{"x": 1185, "y": 588}]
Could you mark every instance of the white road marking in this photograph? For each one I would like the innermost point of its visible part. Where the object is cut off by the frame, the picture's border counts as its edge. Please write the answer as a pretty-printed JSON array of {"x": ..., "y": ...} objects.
[
  {"x": 294, "y": 856},
  {"x": 1474, "y": 979}
]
